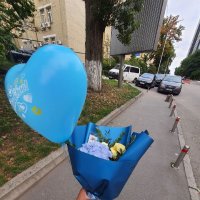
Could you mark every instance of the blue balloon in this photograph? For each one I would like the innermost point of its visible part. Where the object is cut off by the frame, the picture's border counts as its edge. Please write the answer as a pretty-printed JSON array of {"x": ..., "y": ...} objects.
[{"x": 49, "y": 91}]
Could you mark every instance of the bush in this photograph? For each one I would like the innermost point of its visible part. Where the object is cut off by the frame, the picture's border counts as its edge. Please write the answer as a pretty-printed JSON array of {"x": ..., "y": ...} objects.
[
  {"x": 195, "y": 75},
  {"x": 190, "y": 66},
  {"x": 108, "y": 63},
  {"x": 152, "y": 69},
  {"x": 5, "y": 66},
  {"x": 138, "y": 63}
]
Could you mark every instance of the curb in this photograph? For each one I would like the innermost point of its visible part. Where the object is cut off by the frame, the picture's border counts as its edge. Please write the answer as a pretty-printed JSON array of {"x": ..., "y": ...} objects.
[
  {"x": 187, "y": 164},
  {"x": 22, "y": 182},
  {"x": 14, "y": 188}
]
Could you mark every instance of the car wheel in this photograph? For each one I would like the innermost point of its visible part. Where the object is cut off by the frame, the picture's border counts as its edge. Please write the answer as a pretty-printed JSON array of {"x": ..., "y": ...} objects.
[
  {"x": 148, "y": 87},
  {"x": 134, "y": 81},
  {"x": 153, "y": 85},
  {"x": 178, "y": 93}
]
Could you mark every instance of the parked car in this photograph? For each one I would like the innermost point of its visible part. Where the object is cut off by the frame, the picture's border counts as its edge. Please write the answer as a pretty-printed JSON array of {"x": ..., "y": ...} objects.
[
  {"x": 130, "y": 73},
  {"x": 20, "y": 56},
  {"x": 159, "y": 78},
  {"x": 171, "y": 84},
  {"x": 146, "y": 80}
]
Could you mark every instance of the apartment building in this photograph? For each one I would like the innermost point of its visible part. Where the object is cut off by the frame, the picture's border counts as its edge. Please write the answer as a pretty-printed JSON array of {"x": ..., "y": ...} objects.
[
  {"x": 56, "y": 22},
  {"x": 195, "y": 45}
]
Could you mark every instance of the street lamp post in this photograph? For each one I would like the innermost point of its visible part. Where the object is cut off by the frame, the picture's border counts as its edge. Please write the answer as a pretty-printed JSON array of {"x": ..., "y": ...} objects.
[{"x": 162, "y": 53}]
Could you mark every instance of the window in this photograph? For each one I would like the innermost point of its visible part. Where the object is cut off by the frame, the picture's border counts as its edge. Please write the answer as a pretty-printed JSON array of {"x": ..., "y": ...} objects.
[
  {"x": 46, "y": 14},
  {"x": 127, "y": 69},
  {"x": 53, "y": 40},
  {"x": 49, "y": 14},
  {"x": 134, "y": 70},
  {"x": 42, "y": 14},
  {"x": 46, "y": 40},
  {"x": 50, "y": 39}
]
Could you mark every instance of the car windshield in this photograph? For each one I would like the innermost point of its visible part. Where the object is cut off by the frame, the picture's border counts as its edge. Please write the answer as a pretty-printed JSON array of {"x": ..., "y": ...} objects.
[
  {"x": 117, "y": 66},
  {"x": 160, "y": 76},
  {"x": 146, "y": 75},
  {"x": 176, "y": 79}
]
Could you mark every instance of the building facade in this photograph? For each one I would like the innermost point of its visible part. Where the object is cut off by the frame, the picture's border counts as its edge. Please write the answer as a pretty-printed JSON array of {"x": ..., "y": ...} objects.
[
  {"x": 196, "y": 41},
  {"x": 56, "y": 22}
]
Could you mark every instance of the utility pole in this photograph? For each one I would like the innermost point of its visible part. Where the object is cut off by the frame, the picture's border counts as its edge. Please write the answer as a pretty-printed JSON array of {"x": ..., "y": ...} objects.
[
  {"x": 121, "y": 67},
  {"x": 162, "y": 53}
]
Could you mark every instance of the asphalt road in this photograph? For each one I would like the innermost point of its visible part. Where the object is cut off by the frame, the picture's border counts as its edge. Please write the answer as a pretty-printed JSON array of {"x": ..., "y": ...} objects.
[{"x": 188, "y": 108}]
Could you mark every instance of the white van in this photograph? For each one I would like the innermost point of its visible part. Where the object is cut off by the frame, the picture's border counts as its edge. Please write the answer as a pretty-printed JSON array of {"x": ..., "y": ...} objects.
[{"x": 130, "y": 73}]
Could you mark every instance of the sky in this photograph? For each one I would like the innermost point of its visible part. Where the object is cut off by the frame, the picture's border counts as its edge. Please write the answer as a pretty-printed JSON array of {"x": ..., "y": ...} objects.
[{"x": 189, "y": 12}]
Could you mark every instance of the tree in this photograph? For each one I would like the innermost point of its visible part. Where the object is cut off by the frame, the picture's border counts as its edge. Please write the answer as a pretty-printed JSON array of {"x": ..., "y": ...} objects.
[
  {"x": 12, "y": 16},
  {"x": 138, "y": 63},
  {"x": 152, "y": 69},
  {"x": 171, "y": 32},
  {"x": 190, "y": 66},
  {"x": 101, "y": 13}
]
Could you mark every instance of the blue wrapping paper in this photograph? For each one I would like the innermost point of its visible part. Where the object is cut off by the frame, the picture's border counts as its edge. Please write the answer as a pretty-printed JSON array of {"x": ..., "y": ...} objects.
[{"x": 105, "y": 178}]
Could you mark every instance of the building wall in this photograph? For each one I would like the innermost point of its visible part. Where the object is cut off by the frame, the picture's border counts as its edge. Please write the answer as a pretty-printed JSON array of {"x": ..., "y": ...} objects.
[
  {"x": 196, "y": 41},
  {"x": 75, "y": 15},
  {"x": 67, "y": 26},
  {"x": 106, "y": 42}
]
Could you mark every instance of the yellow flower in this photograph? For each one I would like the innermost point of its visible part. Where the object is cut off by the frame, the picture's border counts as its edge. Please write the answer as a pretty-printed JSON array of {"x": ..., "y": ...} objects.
[
  {"x": 105, "y": 143},
  {"x": 119, "y": 147},
  {"x": 114, "y": 152}
]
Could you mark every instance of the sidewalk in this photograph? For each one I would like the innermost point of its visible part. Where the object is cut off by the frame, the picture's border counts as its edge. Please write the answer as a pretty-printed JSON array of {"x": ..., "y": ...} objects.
[{"x": 153, "y": 178}]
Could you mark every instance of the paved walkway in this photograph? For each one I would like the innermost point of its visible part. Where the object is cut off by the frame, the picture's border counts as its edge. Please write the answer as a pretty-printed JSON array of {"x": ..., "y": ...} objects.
[{"x": 153, "y": 178}]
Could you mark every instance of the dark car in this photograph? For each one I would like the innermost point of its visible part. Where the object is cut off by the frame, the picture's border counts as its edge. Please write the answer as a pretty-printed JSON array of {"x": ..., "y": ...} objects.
[
  {"x": 20, "y": 56},
  {"x": 146, "y": 80},
  {"x": 159, "y": 78},
  {"x": 171, "y": 84}
]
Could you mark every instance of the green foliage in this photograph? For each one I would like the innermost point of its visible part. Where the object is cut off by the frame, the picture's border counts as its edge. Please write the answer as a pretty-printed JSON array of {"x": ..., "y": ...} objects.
[
  {"x": 152, "y": 69},
  {"x": 190, "y": 66},
  {"x": 171, "y": 32},
  {"x": 118, "y": 13},
  {"x": 138, "y": 63},
  {"x": 2, "y": 180},
  {"x": 2, "y": 52},
  {"x": 12, "y": 16},
  {"x": 195, "y": 75},
  {"x": 179, "y": 71},
  {"x": 132, "y": 140},
  {"x": 108, "y": 63},
  {"x": 106, "y": 138},
  {"x": 101, "y": 137},
  {"x": 5, "y": 64}
]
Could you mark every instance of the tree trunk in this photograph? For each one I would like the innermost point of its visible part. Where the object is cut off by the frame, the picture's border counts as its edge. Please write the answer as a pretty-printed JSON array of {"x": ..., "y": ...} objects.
[
  {"x": 94, "y": 41},
  {"x": 120, "y": 78}
]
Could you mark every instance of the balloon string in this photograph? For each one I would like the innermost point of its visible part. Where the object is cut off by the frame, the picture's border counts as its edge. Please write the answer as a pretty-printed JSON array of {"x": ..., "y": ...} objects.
[{"x": 64, "y": 147}]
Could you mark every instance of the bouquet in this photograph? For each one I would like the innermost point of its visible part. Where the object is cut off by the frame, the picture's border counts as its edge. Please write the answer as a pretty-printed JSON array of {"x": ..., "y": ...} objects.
[{"x": 103, "y": 157}]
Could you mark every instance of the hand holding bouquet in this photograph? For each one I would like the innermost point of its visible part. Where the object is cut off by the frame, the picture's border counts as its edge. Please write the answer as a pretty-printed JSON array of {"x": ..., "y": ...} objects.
[{"x": 103, "y": 157}]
